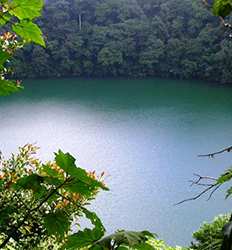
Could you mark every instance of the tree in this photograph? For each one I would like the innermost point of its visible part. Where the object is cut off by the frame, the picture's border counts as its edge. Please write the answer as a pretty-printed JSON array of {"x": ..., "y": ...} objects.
[
  {"x": 210, "y": 235},
  {"x": 137, "y": 32}
]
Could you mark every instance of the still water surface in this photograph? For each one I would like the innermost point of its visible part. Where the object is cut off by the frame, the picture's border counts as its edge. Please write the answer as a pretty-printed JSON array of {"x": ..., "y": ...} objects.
[{"x": 145, "y": 134}]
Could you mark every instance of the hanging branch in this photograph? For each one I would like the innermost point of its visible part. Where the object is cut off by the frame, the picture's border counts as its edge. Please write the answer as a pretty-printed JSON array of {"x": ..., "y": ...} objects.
[
  {"x": 211, "y": 185},
  {"x": 211, "y": 155}
]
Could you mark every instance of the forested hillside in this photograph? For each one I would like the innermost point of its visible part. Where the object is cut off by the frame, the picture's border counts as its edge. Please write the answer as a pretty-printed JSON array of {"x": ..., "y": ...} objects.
[{"x": 129, "y": 38}]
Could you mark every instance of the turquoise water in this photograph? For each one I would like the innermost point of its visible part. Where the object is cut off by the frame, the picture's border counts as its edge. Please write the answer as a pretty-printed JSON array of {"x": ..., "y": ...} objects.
[{"x": 145, "y": 134}]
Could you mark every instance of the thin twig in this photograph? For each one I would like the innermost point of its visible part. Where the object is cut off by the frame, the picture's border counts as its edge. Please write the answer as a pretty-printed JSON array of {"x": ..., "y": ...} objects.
[
  {"x": 202, "y": 181},
  {"x": 205, "y": 177},
  {"x": 198, "y": 184},
  {"x": 213, "y": 191}
]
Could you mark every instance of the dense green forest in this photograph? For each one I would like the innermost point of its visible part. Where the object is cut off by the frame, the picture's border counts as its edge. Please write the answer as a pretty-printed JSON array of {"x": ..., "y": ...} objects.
[{"x": 128, "y": 38}]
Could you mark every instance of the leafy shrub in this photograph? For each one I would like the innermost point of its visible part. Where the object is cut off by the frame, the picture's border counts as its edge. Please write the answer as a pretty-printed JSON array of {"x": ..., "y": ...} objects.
[
  {"x": 210, "y": 235},
  {"x": 41, "y": 202}
]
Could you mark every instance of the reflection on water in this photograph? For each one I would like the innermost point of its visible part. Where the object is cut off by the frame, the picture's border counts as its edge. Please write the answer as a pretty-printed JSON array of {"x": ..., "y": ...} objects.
[{"x": 145, "y": 134}]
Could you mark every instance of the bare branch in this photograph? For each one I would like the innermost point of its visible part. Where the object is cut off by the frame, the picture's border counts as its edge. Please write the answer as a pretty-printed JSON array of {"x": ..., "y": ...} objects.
[
  {"x": 208, "y": 187},
  {"x": 198, "y": 184},
  {"x": 213, "y": 191},
  {"x": 209, "y": 183},
  {"x": 198, "y": 195},
  {"x": 205, "y": 177},
  {"x": 211, "y": 155}
]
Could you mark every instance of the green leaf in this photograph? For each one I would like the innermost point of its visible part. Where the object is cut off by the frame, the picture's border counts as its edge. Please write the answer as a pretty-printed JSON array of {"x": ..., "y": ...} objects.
[
  {"x": 53, "y": 181},
  {"x": 8, "y": 87},
  {"x": 57, "y": 223},
  {"x": 29, "y": 182},
  {"x": 67, "y": 163},
  {"x": 4, "y": 56},
  {"x": 126, "y": 238},
  {"x": 144, "y": 246},
  {"x": 229, "y": 192},
  {"x": 40, "y": 192},
  {"x": 29, "y": 31},
  {"x": 222, "y": 7},
  {"x": 32, "y": 182},
  {"x": 5, "y": 214},
  {"x": 2, "y": 182},
  {"x": 48, "y": 171},
  {"x": 26, "y": 9},
  {"x": 131, "y": 238},
  {"x": 225, "y": 177},
  {"x": 96, "y": 247},
  {"x": 5, "y": 18},
  {"x": 80, "y": 187},
  {"x": 123, "y": 248},
  {"x": 87, "y": 237}
]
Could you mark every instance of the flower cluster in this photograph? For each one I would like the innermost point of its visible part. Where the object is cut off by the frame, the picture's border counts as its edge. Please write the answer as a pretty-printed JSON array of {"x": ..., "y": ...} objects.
[{"x": 9, "y": 43}]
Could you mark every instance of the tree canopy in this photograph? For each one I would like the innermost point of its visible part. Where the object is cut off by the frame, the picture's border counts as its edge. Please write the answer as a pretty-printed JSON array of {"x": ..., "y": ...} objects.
[{"x": 131, "y": 38}]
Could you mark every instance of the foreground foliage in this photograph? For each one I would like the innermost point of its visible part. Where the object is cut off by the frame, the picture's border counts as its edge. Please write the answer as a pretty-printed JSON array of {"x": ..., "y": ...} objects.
[
  {"x": 41, "y": 205},
  {"x": 210, "y": 235},
  {"x": 161, "y": 245},
  {"x": 18, "y": 28},
  {"x": 43, "y": 202}
]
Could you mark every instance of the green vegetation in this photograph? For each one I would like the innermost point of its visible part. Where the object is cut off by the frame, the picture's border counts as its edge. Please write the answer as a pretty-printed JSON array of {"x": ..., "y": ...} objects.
[
  {"x": 210, "y": 235},
  {"x": 130, "y": 38},
  {"x": 41, "y": 203},
  {"x": 18, "y": 16},
  {"x": 222, "y": 8}
]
